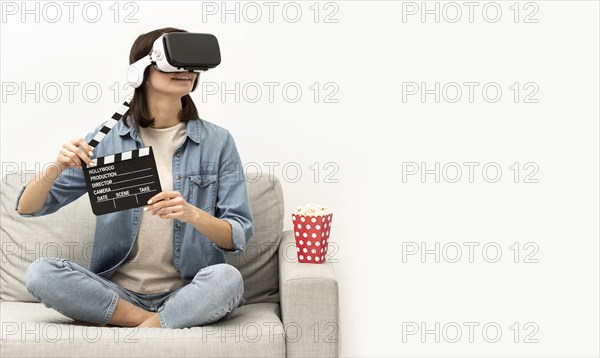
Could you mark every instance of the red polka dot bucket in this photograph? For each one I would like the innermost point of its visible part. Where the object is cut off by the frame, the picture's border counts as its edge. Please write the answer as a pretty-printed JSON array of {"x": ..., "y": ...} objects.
[{"x": 312, "y": 237}]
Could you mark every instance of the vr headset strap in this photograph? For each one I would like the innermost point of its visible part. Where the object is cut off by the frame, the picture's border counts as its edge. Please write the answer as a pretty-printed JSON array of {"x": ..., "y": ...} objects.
[{"x": 135, "y": 72}]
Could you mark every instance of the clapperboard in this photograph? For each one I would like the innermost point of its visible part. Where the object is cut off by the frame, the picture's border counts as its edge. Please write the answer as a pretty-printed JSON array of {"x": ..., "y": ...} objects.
[{"x": 120, "y": 181}]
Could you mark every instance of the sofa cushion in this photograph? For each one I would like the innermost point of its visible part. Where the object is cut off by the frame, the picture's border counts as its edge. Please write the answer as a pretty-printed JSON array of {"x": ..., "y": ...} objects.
[
  {"x": 32, "y": 330},
  {"x": 69, "y": 233},
  {"x": 259, "y": 263}
]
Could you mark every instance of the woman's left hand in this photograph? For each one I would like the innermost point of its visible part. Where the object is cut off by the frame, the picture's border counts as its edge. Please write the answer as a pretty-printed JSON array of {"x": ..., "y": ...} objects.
[{"x": 171, "y": 205}]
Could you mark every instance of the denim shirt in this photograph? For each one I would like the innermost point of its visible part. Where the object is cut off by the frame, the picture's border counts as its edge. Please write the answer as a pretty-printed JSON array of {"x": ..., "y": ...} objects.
[{"x": 207, "y": 171}]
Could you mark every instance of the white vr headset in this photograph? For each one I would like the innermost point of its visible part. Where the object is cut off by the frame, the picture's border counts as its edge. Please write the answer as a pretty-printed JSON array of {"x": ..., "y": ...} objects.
[{"x": 178, "y": 52}]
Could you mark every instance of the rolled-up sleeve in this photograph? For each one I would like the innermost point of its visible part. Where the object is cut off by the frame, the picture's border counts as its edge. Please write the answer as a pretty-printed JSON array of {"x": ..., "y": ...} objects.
[
  {"x": 69, "y": 186},
  {"x": 41, "y": 211},
  {"x": 233, "y": 205}
]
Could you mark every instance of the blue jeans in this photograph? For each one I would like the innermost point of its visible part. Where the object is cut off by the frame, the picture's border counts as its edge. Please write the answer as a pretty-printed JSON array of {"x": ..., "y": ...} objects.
[{"x": 214, "y": 293}]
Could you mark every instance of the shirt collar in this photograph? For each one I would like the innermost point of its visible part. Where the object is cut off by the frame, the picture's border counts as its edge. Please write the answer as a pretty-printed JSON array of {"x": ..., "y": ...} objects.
[{"x": 192, "y": 129}]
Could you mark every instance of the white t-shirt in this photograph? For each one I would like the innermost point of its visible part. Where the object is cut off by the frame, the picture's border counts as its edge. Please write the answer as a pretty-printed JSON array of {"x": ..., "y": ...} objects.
[{"x": 149, "y": 267}]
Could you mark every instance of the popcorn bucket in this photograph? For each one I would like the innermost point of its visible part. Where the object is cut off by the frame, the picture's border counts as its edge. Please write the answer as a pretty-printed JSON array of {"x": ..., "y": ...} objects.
[{"x": 312, "y": 236}]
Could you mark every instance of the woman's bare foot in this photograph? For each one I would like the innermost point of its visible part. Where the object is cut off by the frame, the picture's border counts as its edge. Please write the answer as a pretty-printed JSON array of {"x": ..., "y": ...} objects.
[
  {"x": 84, "y": 323},
  {"x": 153, "y": 322},
  {"x": 128, "y": 315}
]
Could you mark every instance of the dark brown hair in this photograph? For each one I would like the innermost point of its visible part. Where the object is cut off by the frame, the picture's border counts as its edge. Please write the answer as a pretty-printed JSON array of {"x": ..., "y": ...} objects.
[{"x": 138, "y": 107}]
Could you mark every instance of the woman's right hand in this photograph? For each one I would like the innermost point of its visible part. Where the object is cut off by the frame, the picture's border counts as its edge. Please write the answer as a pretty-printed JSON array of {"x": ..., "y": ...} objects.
[
  {"x": 36, "y": 191},
  {"x": 71, "y": 154}
]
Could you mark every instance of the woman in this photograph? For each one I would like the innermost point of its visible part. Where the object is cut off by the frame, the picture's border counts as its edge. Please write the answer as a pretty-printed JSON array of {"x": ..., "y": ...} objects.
[{"x": 163, "y": 266}]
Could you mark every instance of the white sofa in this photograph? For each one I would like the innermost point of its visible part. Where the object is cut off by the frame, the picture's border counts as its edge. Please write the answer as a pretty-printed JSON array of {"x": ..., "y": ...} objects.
[{"x": 291, "y": 308}]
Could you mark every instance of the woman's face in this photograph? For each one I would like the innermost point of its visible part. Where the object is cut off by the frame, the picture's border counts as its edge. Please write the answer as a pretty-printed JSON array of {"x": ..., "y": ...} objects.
[{"x": 172, "y": 84}]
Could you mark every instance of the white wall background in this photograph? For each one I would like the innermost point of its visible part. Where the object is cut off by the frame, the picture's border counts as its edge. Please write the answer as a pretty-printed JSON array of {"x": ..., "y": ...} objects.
[{"x": 370, "y": 56}]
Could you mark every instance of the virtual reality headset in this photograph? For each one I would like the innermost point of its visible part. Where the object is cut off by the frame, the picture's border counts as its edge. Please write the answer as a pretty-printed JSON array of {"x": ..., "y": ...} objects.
[{"x": 178, "y": 52}]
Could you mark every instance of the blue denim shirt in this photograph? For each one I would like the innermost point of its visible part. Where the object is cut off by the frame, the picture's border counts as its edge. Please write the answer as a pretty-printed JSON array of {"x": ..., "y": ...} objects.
[{"x": 207, "y": 171}]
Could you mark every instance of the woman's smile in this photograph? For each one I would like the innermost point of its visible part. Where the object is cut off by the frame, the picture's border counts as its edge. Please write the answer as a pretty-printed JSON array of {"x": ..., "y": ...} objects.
[{"x": 182, "y": 78}]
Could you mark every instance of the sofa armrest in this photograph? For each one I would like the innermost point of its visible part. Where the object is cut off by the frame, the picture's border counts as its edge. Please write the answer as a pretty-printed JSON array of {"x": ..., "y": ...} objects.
[{"x": 309, "y": 304}]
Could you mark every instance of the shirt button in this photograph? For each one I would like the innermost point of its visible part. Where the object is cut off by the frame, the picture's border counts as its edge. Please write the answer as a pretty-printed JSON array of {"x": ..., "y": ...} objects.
[
  {"x": 178, "y": 153},
  {"x": 177, "y": 248},
  {"x": 178, "y": 177},
  {"x": 178, "y": 224}
]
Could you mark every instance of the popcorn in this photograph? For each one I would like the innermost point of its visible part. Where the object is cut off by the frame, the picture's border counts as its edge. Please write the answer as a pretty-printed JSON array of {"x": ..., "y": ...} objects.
[
  {"x": 312, "y": 209},
  {"x": 312, "y": 223}
]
